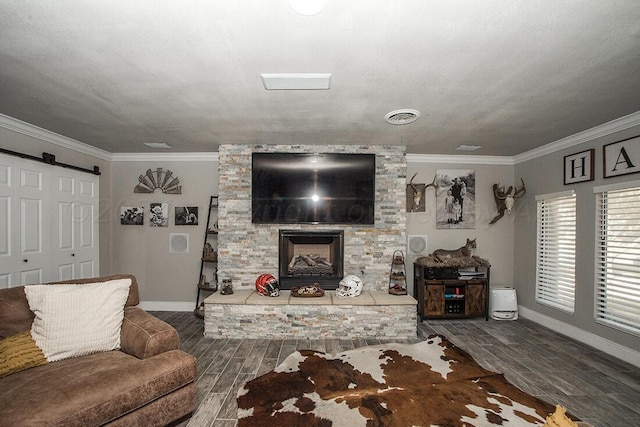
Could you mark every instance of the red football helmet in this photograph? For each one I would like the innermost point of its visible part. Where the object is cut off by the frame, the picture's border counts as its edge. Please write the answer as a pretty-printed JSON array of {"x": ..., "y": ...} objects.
[{"x": 267, "y": 285}]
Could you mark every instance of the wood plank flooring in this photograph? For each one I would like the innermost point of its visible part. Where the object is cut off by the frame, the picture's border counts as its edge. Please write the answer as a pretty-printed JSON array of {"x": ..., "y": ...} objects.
[{"x": 594, "y": 386}]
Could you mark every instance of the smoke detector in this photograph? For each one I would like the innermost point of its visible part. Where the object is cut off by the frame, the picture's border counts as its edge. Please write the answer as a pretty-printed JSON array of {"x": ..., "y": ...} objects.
[{"x": 402, "y": 117}]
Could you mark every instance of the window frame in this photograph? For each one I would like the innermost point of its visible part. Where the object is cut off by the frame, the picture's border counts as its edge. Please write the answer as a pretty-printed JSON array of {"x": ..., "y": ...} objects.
[
  {"x": 557, "y": 295},
  {"x": 607, "y": 311}
]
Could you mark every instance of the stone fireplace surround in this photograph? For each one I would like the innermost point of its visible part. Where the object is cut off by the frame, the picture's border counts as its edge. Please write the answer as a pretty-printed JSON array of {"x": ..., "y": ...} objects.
[{"x": 246, "y": 250}]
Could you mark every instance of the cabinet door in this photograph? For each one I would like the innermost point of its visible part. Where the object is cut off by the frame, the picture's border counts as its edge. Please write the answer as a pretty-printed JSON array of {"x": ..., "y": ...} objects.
[
  {"x": 434, "y": 300},
  {"x": 475, "y": 302}
]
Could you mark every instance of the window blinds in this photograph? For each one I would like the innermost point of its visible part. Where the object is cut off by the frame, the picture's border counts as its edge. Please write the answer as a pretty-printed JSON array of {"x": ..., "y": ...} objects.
[
  {"x": 617, "y": 266},
  {"x": 556, "y": 251}
]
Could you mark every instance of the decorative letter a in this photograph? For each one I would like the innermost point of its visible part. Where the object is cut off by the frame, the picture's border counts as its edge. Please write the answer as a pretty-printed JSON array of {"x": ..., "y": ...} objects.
[{"x": 626, "y": 160}]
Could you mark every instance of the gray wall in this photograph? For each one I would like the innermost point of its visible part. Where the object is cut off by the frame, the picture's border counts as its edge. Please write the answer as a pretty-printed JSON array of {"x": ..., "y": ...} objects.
[
  {"x": 163, "y": 277},
  {"x": 495, "y": 242},
  {"x": 544, "y": 175}
]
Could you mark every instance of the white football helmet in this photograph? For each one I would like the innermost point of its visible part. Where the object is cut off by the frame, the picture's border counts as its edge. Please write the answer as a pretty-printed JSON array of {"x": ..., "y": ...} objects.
[{"x": 349, "y": 286}]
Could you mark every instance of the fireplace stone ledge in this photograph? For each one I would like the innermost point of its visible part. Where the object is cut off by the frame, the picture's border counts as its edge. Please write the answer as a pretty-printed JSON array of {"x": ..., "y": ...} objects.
[{"x": 247, "y": 314}]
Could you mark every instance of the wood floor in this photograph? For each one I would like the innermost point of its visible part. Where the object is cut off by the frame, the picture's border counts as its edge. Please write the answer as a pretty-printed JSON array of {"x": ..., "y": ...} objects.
[{"x": 592, "y": 385}]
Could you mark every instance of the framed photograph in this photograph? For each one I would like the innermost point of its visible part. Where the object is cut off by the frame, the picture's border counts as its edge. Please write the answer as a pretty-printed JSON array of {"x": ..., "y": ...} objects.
[
  {"x": 456, "y": 198},
  {"x": 186, "y": 215},
  {"x": 159, "y": 215},
  {"x": 579, "y": 167},
  {"x": 622, "y": 157},
  {"x": 131, "y": 215}
]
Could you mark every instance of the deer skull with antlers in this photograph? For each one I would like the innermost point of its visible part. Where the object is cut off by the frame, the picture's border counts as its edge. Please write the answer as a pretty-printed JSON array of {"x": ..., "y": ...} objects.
[
  {"x": 414, "y": 202},
  {"x": 505, "y": 200}
]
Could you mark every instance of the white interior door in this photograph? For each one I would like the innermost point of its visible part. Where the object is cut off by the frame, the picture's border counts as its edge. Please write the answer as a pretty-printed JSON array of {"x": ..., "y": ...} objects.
[
  {"x": 75, "y": 238},
  {"x": 25, "y": 238},
  {"x": 48, "y": 223}
]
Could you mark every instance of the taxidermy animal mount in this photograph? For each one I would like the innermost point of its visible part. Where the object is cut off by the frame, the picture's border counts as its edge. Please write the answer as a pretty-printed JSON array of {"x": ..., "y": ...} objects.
[
  {"x": 415, "y": 194},
  {"x": 466, "y": 251},
  {"x": 505, "y": 200}
]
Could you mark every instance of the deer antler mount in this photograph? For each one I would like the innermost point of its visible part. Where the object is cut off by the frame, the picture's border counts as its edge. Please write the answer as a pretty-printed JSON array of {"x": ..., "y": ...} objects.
[
  {"x": 505, "y": 200},
  {"x": 415, "y": 194}
]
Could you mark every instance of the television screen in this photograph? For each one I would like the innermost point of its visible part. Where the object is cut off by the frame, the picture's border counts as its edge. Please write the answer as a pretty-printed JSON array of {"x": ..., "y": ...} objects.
[{"x": 293, "y": 188}]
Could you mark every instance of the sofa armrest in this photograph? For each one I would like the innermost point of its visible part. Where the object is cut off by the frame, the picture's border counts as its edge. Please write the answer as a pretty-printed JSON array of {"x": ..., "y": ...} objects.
[{"x": 143, "y": 335}]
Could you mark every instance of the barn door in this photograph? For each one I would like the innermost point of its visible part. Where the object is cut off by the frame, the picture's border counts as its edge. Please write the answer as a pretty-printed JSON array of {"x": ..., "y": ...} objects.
[
  {"x": 24, "y": 238},
  {"x": 48, "y": 223},
  {"x": 75, "y": 225}
]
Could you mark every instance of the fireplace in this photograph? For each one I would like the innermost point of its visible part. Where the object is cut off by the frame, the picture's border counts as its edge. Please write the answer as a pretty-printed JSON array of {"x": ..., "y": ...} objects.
[{"x": 307, "y": 257}]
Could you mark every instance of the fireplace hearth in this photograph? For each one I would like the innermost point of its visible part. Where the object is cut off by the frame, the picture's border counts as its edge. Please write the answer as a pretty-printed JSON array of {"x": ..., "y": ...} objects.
[{"x": 307, "y": 257}]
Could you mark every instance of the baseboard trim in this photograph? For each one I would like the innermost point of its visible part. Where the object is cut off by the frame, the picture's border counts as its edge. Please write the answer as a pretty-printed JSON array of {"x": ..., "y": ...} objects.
[
  {"x": 167, "y": 305},
  {"x": 614, "y": 349}
]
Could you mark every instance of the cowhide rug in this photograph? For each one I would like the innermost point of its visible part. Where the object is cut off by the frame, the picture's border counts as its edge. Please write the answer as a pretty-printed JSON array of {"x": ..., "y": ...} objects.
[{"x": 429, "y": 383}]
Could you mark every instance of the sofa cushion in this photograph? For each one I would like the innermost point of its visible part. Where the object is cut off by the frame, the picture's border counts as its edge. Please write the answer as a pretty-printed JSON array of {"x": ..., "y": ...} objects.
[
  {"x": 93, "y": 389},
  {"x": 19, "y": 352},
  {"x": 15, "y": 316},
  {"x": 75, "y": 320}
]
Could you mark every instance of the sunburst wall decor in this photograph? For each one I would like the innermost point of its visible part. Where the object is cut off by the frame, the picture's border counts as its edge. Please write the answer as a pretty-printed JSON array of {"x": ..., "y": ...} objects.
[{"x": 164, "y": 180}]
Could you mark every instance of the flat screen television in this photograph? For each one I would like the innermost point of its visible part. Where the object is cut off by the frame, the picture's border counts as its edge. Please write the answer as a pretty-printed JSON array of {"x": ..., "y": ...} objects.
[{"x": 305, "y": 188}]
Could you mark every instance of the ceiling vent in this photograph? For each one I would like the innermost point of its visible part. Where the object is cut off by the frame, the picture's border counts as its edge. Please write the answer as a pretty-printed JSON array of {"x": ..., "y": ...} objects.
[{"x": 402, "y": 117}]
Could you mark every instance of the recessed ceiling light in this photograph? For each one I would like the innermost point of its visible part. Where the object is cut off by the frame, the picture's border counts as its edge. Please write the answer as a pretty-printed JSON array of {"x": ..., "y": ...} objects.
[
  {"x": 464, "y": 147},
  {"x": 402, "y": 117},
  {"x": 296, "y": 81},
  {"x": 157, "y": 144}
]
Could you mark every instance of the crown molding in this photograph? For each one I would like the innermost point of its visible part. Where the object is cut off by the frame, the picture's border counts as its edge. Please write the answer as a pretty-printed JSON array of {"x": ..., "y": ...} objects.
[
  {"x": 602, "y": 130},
  {"x": 165, "y": 157},
  {"x": 461, "y": 159},
  {"x": 616, "y": 125},
  {"x": 36, "y": 132}
]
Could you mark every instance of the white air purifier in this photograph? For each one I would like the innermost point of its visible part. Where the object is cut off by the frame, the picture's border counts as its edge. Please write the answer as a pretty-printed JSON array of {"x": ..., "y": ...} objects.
[{"x": 503, "y": 304}]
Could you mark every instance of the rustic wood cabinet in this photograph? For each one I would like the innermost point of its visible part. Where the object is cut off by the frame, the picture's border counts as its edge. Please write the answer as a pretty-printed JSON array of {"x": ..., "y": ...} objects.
[{"x": 451, "y": 293}]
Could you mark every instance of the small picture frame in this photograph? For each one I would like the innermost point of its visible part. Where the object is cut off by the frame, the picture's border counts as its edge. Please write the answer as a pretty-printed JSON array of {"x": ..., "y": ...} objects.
[
  {"x": 622, "y": 157},
  {"x": 131, "y": 215},
  {"x": 186, "y": 215},
  {"x": 159, "y": 214},
  {"x": 579, "y": 167}
]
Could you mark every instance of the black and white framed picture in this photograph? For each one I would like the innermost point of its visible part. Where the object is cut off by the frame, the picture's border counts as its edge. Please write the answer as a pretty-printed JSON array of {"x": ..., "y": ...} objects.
[
  {"x": 131, "y": 215},
  {"x": 159, "y": 215},
  {"x": 186, "y": 215},
  {"x": 455, "y": 198},
  {"x": 579, "y": 167},
  {"x": 622, "y": 157}
]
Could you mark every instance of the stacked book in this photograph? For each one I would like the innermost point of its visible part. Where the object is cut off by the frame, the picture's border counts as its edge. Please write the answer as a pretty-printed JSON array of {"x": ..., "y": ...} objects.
[{"x": 468, "y": 274}]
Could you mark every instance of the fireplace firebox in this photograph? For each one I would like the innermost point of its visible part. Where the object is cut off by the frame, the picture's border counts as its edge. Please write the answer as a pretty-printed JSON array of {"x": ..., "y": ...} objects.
[{"x": 307, "y": 257}]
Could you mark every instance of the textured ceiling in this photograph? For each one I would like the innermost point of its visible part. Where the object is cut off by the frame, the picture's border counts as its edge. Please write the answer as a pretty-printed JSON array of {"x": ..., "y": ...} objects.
[{"x": 510, "y": 75}]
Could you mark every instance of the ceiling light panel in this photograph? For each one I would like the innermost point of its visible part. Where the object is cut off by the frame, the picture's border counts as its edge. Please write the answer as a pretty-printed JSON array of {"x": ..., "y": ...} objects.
[
  {"x": 157, "y": 144},
  {"x": 296, "y": 81},
  {"x": 464, "y": 147}
]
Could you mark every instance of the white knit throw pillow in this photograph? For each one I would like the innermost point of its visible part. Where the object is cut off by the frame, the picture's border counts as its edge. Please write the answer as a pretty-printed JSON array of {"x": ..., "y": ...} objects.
[{"x": 75, "y": 320}]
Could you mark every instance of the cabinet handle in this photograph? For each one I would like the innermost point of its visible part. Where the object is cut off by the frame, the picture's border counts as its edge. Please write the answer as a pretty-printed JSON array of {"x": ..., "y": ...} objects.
[
  {"x": 73, "y": 254},
  {"x": 25, "y": 260}
]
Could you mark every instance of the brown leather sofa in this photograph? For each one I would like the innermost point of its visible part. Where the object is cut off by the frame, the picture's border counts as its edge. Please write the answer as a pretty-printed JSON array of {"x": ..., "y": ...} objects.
[{"x": 148, "y": 382}]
